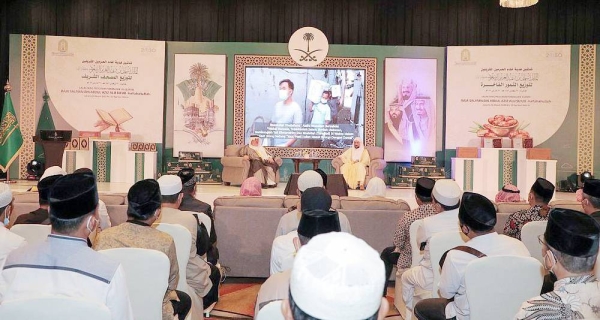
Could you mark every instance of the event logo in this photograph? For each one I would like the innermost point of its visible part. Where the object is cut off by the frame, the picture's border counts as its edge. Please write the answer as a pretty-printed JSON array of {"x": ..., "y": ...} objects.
[
  {"x": 63, "y": 49},
  {"x": 308, "y": 46},
  {"x": 465, "y": 55}
]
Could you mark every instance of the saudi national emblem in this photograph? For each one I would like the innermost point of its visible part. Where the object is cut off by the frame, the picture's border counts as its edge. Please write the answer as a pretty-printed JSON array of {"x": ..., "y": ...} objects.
[{"x": 308, "y": 46}]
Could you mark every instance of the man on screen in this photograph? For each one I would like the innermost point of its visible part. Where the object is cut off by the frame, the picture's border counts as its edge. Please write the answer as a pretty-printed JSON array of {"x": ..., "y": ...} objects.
[
  {"x": 287, "y": 111},
  {"x": 356, "y": 159},
  {"x": 262, "y": 164}
]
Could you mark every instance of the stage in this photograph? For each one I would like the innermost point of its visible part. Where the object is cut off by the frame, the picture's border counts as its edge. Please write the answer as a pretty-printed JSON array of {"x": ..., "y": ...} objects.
[{"x": 208, "y": 193}]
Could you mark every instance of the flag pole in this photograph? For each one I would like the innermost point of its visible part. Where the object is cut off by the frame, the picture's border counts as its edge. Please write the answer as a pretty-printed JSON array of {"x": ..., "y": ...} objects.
[{"x": 8, "y": 88}]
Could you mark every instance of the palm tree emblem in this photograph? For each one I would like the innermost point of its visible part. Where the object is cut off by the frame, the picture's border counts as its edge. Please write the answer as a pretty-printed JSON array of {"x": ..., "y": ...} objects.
[{"x": 308, "y": 55}]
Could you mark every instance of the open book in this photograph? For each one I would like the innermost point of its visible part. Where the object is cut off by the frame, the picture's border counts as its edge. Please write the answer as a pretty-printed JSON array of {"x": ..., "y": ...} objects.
[{"x": 114, "y": 118}]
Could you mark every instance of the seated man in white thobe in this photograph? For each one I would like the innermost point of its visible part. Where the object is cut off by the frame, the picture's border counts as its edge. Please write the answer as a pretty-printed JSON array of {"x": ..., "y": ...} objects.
[
  {"x": 356, "y": 160},
  {"x": 8, "y": 240},
  {"x": 336, "y": 276},
  {"x": 446, "y": 199},
  {"x": 570, "y": 247},
  {"x": 262, "y": 164},
  {"x": 477, "y": 216},
  {"x": 63, "y": 265},
  {"x": 312, "y": 223}
]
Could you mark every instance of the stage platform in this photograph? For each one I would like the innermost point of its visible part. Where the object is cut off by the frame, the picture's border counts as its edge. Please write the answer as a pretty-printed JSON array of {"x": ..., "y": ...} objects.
[{"x": 208, "y": 193}]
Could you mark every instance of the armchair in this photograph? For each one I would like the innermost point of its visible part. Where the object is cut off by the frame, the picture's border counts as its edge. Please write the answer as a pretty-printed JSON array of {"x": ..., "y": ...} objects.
[
  {"x": 375, "y": 168},
  {"x": 236, "y": 168}
]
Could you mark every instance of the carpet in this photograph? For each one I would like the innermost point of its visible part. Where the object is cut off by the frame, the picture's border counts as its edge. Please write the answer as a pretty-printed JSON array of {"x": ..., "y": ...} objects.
[{"x": 237, "y": 301}]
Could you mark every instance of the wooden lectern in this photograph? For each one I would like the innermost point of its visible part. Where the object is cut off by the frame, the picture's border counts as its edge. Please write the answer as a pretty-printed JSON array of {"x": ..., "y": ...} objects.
[{"x": 53, "y": 142}]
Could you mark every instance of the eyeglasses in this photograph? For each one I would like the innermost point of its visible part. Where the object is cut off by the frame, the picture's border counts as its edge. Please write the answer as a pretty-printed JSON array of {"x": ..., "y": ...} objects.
[{"x": 541, "y": 240}]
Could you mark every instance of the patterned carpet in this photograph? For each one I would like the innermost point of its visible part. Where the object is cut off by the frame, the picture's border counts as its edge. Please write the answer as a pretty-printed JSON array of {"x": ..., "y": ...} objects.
[{"x": 238, "y": 297}]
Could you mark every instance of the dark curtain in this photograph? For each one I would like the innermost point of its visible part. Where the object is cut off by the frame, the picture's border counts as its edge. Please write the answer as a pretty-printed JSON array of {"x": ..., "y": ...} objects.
[{"x": 363, "y": 22}]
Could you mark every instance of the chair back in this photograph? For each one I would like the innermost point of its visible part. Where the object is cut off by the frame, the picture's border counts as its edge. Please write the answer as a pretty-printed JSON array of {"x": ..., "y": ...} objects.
[
  {"x": 438, "y": 244},
  {"x": 271, "y": 311},
  {"x": 33, "y": 233},
  {"x": 205, "y": 219},
  {"x": 147, "y": 276},
  {"x": 511, "y": 280},
  {"x": 529, "y": 236},
  {"x": 53, "y": 308},
  {"x": 183, "y": 243},
  {"x": 415, "y": 248}
]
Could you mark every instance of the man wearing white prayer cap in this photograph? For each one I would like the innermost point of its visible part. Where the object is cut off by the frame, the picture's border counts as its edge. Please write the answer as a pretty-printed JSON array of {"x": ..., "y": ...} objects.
[
  {"x": 40, "y": 215},
  {"x": 8, "y": 240},
  {"x": 336, "y": 276},
  {"x": 198, "y": 270},
  {"x": 445, "y": 196}
]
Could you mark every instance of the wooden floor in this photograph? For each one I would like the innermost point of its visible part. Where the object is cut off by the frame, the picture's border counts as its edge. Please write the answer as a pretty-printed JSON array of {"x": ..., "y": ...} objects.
[{"x": 208, "y": 193}]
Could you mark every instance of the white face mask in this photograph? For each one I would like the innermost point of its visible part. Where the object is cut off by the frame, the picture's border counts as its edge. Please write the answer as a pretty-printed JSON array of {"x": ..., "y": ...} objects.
[
  {"x": 87, "y": 225},
  {"x": 283, "y": 94},
  {"x": 7, "y": 216},
  {"x": 550, "y": 257}
]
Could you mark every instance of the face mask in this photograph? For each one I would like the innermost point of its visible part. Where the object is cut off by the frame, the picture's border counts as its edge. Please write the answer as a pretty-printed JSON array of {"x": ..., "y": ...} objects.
[
  {"x": 548, "y": 257},
  {"x": 283, "y": 94},
  {"x": 323, "y": 101},
  {"x": 7, "y": 216},
  {"x": 87, "y": 225}
]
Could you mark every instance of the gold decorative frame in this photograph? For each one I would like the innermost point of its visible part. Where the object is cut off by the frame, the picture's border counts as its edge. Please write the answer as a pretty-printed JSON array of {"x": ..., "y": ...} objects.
[
  {"x": 585, "y": 107},
  {"x": 239, "y": 97}
]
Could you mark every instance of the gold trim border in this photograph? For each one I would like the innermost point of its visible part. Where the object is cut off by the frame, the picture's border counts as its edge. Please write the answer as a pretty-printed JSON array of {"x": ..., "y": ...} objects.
[
  {"x": 27, "y": 100},
  {"x": 239, "y": 97},
  {"x": 585, "y": 107}
]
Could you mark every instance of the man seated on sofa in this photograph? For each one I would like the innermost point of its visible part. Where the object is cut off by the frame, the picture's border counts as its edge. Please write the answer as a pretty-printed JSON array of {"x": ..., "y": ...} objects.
[
  {"x": 446, "y": 199},
  {"x": 540, "y": 195},
  {"x": 262, "y": 163},
  {"x": 284, "y": 247},
  {"x": 289, "y": 221},
  {"x": 317, "y": 291},
  {"x": 477, "y": 217},
  {"x": 356, "y": 160},
  {"x": 590, "y": 202},
  {"x": 312, "y": 223},
  {"x": 40, "y": 215}
]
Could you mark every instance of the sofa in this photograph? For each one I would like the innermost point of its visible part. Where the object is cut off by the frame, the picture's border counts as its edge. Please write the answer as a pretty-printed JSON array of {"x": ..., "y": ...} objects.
[
  {"x": 375, "y": 168},
  {"x": 235, "y": 168},
  {"x": 246, "y": 227}
]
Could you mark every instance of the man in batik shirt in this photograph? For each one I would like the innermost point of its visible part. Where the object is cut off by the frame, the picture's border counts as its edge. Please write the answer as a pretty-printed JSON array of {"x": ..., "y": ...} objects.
[
  {"x": 570, "y": 246},
  {"x": 540, "y": 195}
]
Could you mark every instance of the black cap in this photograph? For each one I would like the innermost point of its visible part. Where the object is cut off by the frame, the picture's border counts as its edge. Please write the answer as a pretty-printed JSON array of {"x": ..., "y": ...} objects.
[
  {"x": 315, "y": 198},
  {"x": 572, "y": 232},
  {"x": 45, "y": 184},
  {"x": 424, "y": 187},
  {"x": 592, "y": 188},
  {"x": 543, "y": 188},
  {"x": 73, "y": 196},
  {"x": 188, "y": 177},
  {"x": 477, "y": 212},
  {"x": 316, "y": 222},
  {"x": 143, "y": 198}
]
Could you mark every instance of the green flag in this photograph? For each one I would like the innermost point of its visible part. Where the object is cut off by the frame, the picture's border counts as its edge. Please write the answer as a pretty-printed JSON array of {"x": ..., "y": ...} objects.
[
  {"x": 45, "y": 122},
  {"x": 11, "y": 139}
]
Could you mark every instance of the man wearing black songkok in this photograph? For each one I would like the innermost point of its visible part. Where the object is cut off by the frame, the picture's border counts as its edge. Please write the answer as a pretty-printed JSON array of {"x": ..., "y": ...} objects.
[
  {"x": 591, "y": 198},
  {"x": 477, "y": 218},
  {"x": 539, "y": 196},
  {"x": 570, "y": 247},
  {"x": 314, "y": 221},
  {"x": 63, "y": 265},
  {"x": 40, "y": 215},
  {"x": 143, "y": 208}
]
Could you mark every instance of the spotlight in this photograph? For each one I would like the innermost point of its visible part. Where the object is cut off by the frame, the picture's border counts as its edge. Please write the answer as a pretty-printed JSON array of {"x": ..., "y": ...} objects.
[{"x": 34, "y": 170}]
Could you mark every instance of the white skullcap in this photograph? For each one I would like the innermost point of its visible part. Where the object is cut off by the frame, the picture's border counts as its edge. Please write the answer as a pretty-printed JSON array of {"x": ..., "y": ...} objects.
[
  {"x": 309, "y": 179},
  {"x": 5, "y": 195},
  {"x": 337, "y": 276},
  {"x": 446, "y": 192},
  {"x": 53, "y": 171},
  {"x": 169, "y": 184}
]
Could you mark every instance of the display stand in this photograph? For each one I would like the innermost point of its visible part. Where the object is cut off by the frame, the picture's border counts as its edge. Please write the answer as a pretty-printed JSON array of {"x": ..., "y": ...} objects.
[{"x": 53, "y": 142}]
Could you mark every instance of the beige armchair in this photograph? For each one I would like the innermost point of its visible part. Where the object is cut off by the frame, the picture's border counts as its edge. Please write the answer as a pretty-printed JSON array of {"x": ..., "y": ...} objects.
[
  {"x": 236, "y": 168},
  {"x": 375, "y": 168}
]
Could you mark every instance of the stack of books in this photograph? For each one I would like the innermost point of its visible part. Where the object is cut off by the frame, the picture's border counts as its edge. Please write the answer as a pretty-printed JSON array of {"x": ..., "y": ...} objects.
[
  {"x": 203, "y": 169},
  {"x": 419, "y": 167}
]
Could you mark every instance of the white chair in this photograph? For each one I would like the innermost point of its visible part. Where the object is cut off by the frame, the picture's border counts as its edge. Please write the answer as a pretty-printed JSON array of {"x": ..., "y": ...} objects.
[
  {"x": 416, "y": 252},
  {"x": 417, "y": 256},
  {"x": 511, "y": 280},
  {"x": 53, "y": 308},
  {"x": 33, "y": 233},
  {"x": 529, "y": 236},
  {"x": 183, "y": 243},
  {"x": 147, "y": 275},
  {"x": 438, "y": 244},
  {"x": 271, "y": 311}
]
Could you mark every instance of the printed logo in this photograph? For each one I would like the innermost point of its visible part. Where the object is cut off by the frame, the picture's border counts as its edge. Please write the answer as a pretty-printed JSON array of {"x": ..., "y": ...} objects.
[{"x": 308, "y": 46}]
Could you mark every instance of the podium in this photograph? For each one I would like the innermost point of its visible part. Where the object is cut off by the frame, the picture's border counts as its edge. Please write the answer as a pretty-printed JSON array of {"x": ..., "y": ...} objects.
[{"x": 53, "y": 142}]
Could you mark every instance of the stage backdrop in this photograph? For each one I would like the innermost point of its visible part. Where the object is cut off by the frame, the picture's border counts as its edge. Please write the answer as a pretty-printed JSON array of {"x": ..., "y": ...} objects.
[
  {"x": 509, "y": 91},
  {"x": 108, "y": 85}
]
